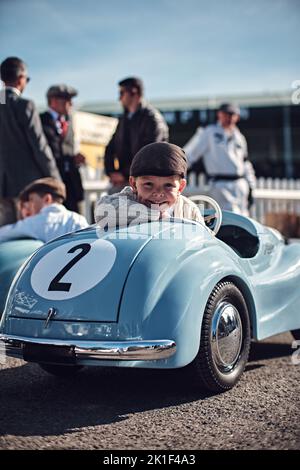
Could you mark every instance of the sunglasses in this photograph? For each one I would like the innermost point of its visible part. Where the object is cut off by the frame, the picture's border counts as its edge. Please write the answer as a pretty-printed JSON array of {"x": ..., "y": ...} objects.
[
  {"x": 27, "y": 78},
  {"x": 131, "y": 91}
]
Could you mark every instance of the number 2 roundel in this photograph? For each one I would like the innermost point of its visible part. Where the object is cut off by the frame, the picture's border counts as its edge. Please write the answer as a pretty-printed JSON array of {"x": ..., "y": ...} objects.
[{"x": 72, "y": 269}]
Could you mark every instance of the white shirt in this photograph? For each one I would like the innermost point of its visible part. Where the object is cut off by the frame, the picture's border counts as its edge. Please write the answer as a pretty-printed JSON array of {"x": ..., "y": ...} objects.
[
  {"x": 3, "y": 94},
  {"x": 51, "y": 222},
  {"x": 223, "y": 152},
  {"x": 53, "y": 113},
  {"x": 15, "y": 90}
]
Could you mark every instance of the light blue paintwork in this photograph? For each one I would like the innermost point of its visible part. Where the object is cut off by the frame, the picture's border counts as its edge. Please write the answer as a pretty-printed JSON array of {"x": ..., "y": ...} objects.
[
  {"x": 12, "y": 255},
  {"x": 159, "y": 285}
]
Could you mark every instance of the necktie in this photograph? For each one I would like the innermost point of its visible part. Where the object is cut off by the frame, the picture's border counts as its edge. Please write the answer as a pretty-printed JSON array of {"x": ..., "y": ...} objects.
[{"x": 63, "y": 125}]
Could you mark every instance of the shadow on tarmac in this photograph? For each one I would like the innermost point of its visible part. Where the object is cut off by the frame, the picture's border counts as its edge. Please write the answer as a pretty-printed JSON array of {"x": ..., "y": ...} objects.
[{"x": 33, "y": 402}]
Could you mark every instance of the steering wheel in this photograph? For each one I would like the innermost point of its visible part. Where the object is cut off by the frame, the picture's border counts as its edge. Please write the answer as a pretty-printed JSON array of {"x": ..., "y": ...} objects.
[{"x": 212, "y": 217}]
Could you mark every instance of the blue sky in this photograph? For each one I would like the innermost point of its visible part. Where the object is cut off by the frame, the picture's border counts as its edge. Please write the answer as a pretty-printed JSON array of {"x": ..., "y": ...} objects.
[{"x": 180, "y": 48}]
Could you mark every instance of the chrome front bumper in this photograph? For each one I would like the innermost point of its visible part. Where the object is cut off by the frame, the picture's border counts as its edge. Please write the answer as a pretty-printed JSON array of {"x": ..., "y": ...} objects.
[{"x": 98, "y": 350}]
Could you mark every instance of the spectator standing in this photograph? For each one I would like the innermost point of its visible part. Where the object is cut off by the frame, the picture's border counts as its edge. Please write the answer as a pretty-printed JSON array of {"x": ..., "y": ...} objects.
[
  {"x": 57, "y": 125},
  {"x": 140, "y": 124},
  {"x": 223, "y": 149},
  {"x": 44, "y": 216},
  {"x": 24, "y": 152}
]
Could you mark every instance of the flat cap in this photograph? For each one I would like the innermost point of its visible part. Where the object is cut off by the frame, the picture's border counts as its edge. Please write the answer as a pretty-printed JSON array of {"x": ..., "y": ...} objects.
[
  {"x": 159, "y": 159},
  {"x": 230, "y": 108},
  {"x": 44, "y": 186},
  {"x": 61, "y": 91}
]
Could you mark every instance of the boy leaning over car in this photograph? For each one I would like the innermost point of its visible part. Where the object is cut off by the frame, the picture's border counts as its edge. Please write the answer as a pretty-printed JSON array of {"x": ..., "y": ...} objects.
[
  {"x": 157, "y": 179},
  {"x": 43, "y": 215}
]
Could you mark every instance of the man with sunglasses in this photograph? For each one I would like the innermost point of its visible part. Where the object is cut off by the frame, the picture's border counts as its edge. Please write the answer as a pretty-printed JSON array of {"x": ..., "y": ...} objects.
[
  {"x": 139, "y": 125},
  {"x": 24, "y": 152}
]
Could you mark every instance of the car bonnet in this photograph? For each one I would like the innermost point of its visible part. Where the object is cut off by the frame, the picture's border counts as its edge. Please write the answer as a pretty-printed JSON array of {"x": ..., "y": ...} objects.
[{"x": 78, "y": 277}]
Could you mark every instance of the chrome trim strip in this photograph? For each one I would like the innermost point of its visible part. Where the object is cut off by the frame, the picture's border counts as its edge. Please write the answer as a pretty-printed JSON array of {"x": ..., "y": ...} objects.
[{"x": 137, "y": 350}]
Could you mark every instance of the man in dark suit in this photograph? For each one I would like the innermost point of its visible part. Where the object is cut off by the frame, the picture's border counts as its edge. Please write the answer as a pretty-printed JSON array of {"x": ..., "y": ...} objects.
[
  {"x": 24, "y": 152},
  {"x": 57, "y": 125}
]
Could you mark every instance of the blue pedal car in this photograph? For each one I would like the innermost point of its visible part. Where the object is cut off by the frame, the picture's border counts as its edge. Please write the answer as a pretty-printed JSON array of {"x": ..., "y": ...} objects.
[{"x": 162, "y": 295}]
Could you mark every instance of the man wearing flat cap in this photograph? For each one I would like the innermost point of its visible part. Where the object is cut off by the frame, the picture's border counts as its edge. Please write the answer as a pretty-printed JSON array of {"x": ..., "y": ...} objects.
[
  {"x": 46, "y": 218},
  {"x": 223, "y": 151},
  {"x": 24, "y": 152},
  {"x": 57, "y": 125}
]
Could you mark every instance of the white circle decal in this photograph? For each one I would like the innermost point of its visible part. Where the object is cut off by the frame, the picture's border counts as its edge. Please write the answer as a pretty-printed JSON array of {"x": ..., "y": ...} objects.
[{"x": 73, "y": 268}]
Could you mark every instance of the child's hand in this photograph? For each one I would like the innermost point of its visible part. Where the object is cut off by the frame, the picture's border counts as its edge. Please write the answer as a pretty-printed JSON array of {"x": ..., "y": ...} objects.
[{"x": 164, "y": 211}]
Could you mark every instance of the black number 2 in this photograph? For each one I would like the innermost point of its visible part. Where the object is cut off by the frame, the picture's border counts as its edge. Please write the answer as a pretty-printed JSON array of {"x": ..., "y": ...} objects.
[{"x": 55, "y": 285}]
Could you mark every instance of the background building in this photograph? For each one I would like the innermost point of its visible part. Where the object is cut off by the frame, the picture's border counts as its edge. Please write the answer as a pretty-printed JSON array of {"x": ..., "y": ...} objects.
[
  {"x": 270, "y": 122},
  {"x": 92, "y": 134}
]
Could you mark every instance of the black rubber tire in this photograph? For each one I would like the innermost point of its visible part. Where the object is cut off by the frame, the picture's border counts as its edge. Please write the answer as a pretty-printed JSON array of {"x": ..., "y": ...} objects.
[
  {"x": 204, "y": 365},
  {"x": 296, "y": 334},
  {"x": 60, "y": 370}
]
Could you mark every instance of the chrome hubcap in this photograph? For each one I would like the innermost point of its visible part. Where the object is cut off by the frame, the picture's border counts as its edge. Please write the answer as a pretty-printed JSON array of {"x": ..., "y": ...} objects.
[{"x": 226, "y": 336}]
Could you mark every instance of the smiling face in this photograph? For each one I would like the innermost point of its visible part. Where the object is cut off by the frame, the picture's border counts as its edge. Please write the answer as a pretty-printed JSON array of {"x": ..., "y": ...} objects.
[{"x": 158, "y": 192}]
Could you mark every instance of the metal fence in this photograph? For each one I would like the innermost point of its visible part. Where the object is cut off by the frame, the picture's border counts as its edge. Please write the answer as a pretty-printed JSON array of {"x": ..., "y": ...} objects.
[{"x": 271, "y": 195}]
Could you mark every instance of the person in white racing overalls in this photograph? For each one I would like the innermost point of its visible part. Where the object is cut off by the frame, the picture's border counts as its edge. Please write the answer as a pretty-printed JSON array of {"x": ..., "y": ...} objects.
[{"x": 223, "y": 149}]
